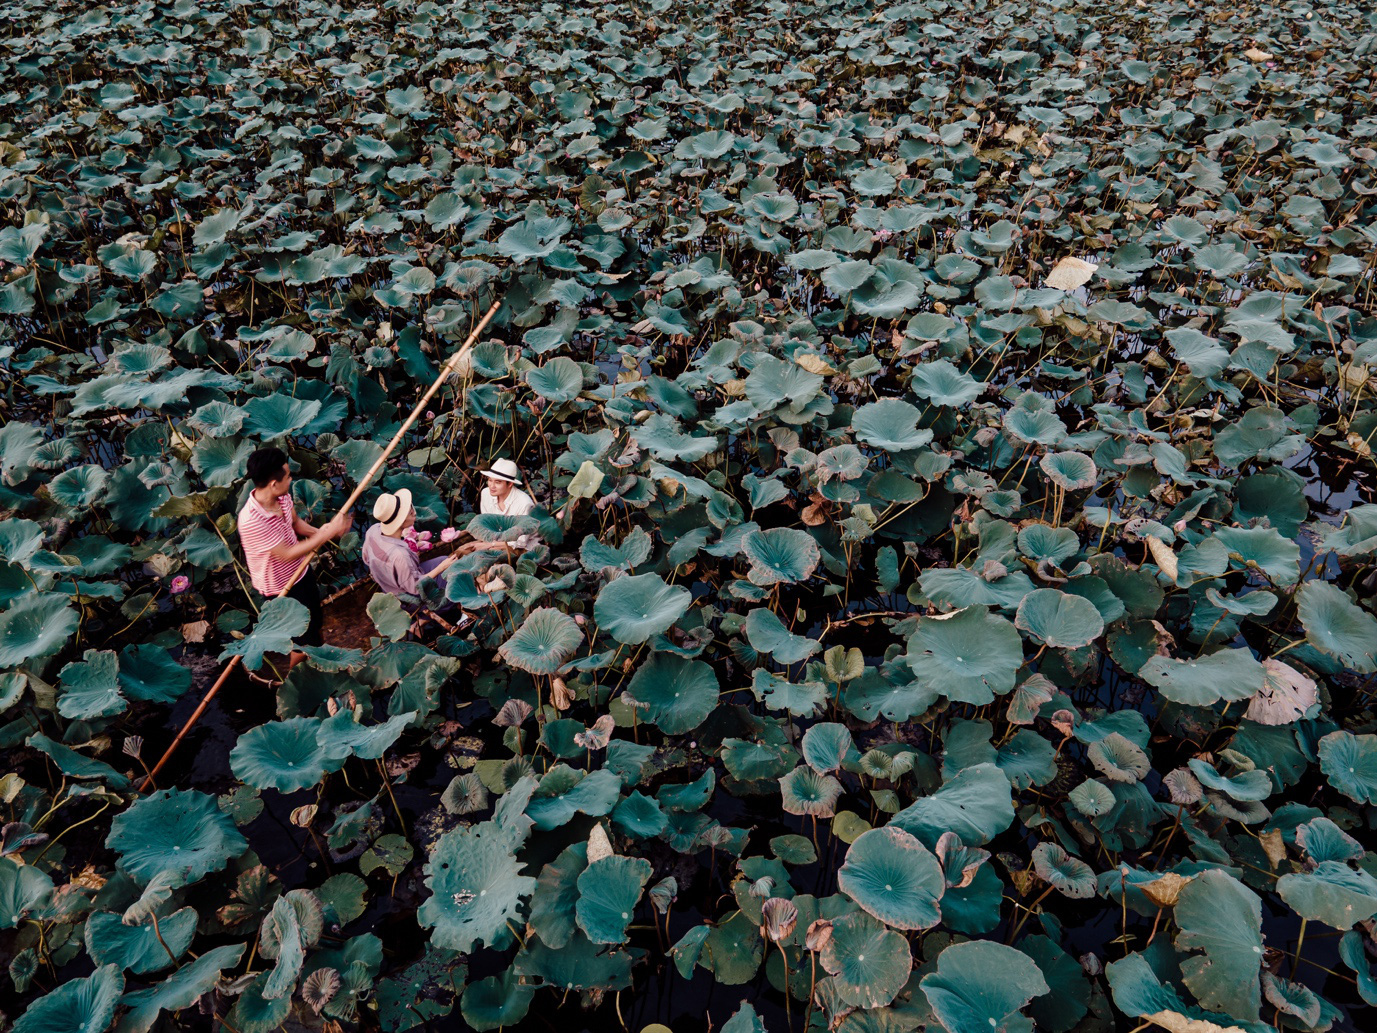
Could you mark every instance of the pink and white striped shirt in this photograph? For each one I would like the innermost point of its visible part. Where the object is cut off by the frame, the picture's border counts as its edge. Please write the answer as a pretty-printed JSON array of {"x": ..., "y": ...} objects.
[{"x": 259, "y": 531}]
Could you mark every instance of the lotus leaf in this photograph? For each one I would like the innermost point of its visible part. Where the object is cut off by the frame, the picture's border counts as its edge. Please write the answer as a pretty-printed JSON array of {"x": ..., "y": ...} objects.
[
  {"x": 139, "y": 949},
  {"x": 280, "y": 621},
  {"x": 678, "y": 693},
  {"x": 1068, "y": 996},
  {"x": 496, "y": 1002},
  {"x": 767, "y": 634},
  {"x": 577, "y": 966},
  {"x": 1336, "y": 626},
  {"x": 1058, "y": 619},
  {"x": 943, "y": 384},
  {"x": 476, "y": 888},
  {"x": 1333, "y": 893},
  {"x": 90, "y": 687},
  {"x": 36, "y": 625},
  {"x": 980, "y": 986},
  {"x": 608, "y": 890},
  {"x": 545, "y": 641},
  {"x": 780, "y": 555},
  {"x": 1349, "y": 762},
  {"x": 869, "y": 963},
  {"x": 24, "y": 890},
  {"x": 1221, "y": 917},
  {"x": 893, "y": 877},
  {"x": 635, "y": 607},
  {"x": 179, "y": 831},
  {"x": 890, "y": 424},
  {"x": 1229, "y": 674},
  {"x": 77, "y": 1006},
  {"x": 807, "y": 792},
  {"x": 1070, "y": 471},
  {"x": 340, "y": 736},
  {"x": 977, "y": 805},
  {"x": 283, "y": 755},
  {"x": 969, "y": 656},
  {"x": 1068, "y": 875},
  {"x": 181, "y": 989}
]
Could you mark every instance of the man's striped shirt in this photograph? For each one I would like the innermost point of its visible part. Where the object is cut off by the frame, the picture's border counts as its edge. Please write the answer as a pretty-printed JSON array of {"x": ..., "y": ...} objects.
[{"x": 259, "y": 531}]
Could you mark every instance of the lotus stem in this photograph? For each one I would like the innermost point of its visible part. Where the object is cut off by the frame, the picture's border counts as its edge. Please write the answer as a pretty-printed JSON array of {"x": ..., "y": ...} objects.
[
  {"x": 382, "y": 770},
  {"x": 788, "y": 993},
  {"x": 1300, "y": 939}
]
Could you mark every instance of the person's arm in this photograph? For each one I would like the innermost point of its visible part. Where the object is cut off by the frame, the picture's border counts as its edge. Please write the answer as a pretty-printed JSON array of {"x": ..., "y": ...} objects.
[{"x": 336, "y": 528}]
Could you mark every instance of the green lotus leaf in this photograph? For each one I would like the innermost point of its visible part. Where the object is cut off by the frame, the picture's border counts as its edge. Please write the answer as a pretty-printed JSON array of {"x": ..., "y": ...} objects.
[
  {"x": 845, "y": 277},
  {"x": 148, "y": 672},
  {"x": 280, "y": 621},
  {"x": 74, "y": 764},
  {"x": 744, "y": 1020},
  {"x": 578, "y": 966},
  {"x": 678, "y": 693},
  {"x": 634, "y": 607},
  {"x": 181, "y": 989},
  {"x": 278, "y": 415},
  {"x": 77, "y": 1006},
  {"x": 631, "y": 553},
  {"x": 475, "y": 888},
  {"x": 90, "y": 687},
  {"x": 773, "y": 382},
  {"x": 253, "y": 1012},
  {"x": 961, "y": 587},
  {"x": 891, "y": 424},
  {"x": 24, "y": 890},
  {"x": 1026, "y": 759},
  {"x": 1091, "y": 798},
  {"x": 662, "y": 437},
  {"x": 496, "y": 1002},
  {"x": 892, "y": 876},
  {"x": 1070, "y": 876},
  {"x": 969, "y": 656},
  {"x": 943, "y": 384},
  {"x": 1119, "y": 758},
  {"x": 780, "y": 555},
  {"x": 609, "y": 890},
  {"x": 35, "y": 625},
  {"x": 1041, "y": 542},
  {"x": 1354, "y": 955},
  {"x": 977, "y": 805},
  {"x": 1034, "y": 425},
  {"x": 1058, "y": 619},
  {"x": 1068, "y": 996},
  {"x": 868, "y": 963},
  {"x": 545, "y": 641},
  {"x": 828, "y": 746},
  {"x": 1264, "y": 548},
  {"x": 872, "y": 696},
  {"x": 532, "y": 237},
  {"x": 1245, "y": 786},
  {"x": 1336, "y": 626},
  {"x": 1221, "y": 917},
  {"x": 564, "y": 792},
  {"x": 807, "y": 792},
  {"x": 1349, "y": 762},
  {"x": 556, "y": 895},
  {"x": 174, "y": 830},
  {"x": 341, "y": 736},
  {"x": 1070, "y": 471},
  {"x": 1333, "y": 893},
  {"x": 1229, "y": 674},
  {"x": 282, "y": 755},
  {"x": 559, "y": 380},
  {"x": 767, "y": 634},
  {"x": 19, "y": 540},
  {"x": 137, "y": 948},
  {"x": 980, "y": 986}
]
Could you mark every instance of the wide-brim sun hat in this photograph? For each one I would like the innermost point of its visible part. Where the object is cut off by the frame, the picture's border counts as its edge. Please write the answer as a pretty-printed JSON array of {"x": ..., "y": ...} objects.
[
  {"x": 503, "y": 470},
  {"x": 391, "y": 509}
]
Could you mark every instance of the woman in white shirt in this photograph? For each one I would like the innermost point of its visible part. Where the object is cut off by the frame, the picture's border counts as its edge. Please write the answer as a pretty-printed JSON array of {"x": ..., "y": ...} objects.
[{"x": 503, "y": 493}]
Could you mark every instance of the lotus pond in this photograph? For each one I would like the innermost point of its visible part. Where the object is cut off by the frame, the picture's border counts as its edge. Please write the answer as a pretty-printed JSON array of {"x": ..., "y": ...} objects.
[{"x": 951, "y": 599}]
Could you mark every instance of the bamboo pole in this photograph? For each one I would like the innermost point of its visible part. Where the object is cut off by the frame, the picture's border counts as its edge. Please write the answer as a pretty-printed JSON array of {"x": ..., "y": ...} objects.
[{"x": 451, "y": 364}]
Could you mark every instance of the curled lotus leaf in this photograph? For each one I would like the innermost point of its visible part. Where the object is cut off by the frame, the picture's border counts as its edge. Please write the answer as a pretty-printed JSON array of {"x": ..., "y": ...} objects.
[
  {"x": 1119, "y": 758},
  {"x": 943, "y": 384},
  {"x": 977, "y": 805},
  {"x": 1220, "y": 917},
  {"x": 1333, "y": 893},
  {"x": 545, "y": 641},
  {"x": 635, "y": 607},
  {"x": 1244, "y": 787},
  {"x": 890, "y": 424},
  {"x": 869, "y": 963},
  {"x": 282, "y": 755},
  {"x": 969, "y": 656},
  {"x": 1058, "y": 619},
  {"x": 174, "y": 830},
  {"x": 678, "y": 693},
  {"x": 1070, "y": 471},
  {"x": 1286, "y": 695},
  {"x": 1069, "y": 875},
  {"x": 894, "y": 877},
  {"x": 24, "y": 890},
  {"x": 981, "y": 985},
  {"x": 808, "y": 792},
  {"x": 780, "y": 555},
  {"x": 1229, "y": 674},
  {"x": 181, "y": 989}
]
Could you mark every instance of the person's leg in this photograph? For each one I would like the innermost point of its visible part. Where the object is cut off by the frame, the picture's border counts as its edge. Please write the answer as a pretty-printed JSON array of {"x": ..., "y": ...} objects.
[{"x": 307, "y": 592}]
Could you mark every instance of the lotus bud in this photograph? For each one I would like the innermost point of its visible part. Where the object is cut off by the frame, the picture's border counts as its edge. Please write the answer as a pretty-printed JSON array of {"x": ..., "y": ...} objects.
[
  {"x": 664, "y": 893},
  {"x": 1064, "y": 721},
  {"x": 304, "y": 815},
  {"x": 332, "y": 705},
  {"x": 781, "y": 917},
  {"x": 819, "y": 935}
]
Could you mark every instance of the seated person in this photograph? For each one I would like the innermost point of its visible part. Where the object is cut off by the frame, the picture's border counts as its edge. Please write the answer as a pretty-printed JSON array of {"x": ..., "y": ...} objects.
[
  {"x": 394, "y": 567},
  {"x": 503, "y": 493}
]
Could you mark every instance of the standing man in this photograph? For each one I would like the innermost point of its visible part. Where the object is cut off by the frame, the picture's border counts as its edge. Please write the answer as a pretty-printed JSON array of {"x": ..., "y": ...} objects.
[
  {"x": 503, "y": 493},
  {"x": 275, "y": 540}
]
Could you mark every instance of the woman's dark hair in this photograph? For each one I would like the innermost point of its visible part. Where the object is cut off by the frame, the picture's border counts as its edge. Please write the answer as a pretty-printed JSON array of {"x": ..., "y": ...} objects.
[{"x": 266, "y": 465}]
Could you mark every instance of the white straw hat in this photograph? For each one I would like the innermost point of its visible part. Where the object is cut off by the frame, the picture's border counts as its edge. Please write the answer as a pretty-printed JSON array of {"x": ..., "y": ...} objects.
[
  {"x": 503, "y": 470},
  {"x": 391, "y": 510}
]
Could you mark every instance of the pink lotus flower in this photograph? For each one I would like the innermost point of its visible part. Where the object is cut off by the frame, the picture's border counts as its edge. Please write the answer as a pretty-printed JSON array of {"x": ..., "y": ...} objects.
[
  {"x": 180, "y": 584},
  {"x": 449, "y": 534},
  {"x": 430, "y": 415}
]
